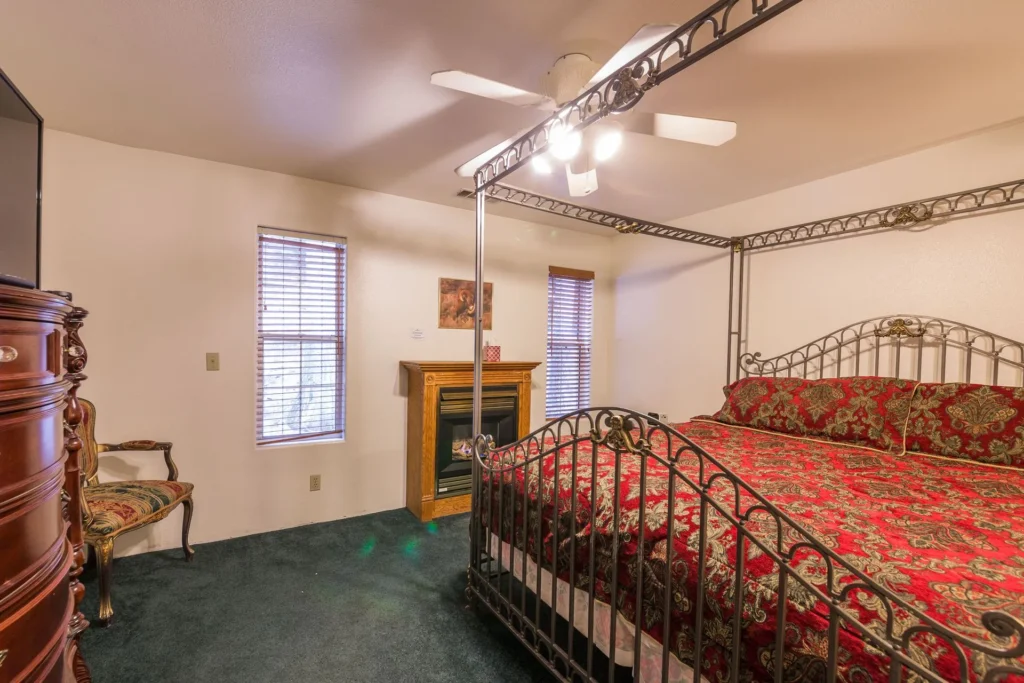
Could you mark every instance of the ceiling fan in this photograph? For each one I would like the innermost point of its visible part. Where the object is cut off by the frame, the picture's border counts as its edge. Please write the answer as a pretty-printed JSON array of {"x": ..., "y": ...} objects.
[{"x": 581, "y": 151}]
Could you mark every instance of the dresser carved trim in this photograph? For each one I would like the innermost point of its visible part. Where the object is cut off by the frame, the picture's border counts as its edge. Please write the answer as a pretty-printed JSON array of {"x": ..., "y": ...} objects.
[{"x": 40, "y": 562}]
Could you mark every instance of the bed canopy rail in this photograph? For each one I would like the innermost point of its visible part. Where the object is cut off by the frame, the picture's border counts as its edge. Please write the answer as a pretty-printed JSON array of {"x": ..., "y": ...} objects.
[
  {"x": 623, "y": 224},
  {"x": 988, "y": 198},
  {"x": 714, "y": 28},
  {"x": 921, "y": 348},
  {"x": 905, "y": 215}
]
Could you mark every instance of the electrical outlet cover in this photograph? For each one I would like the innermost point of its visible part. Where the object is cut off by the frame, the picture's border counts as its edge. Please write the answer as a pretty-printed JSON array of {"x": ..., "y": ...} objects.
[{"x": 314, "y": 482}]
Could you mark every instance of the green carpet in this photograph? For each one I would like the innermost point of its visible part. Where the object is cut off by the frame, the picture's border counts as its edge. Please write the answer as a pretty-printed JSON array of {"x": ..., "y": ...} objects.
[{"x": 374, "y": 598}]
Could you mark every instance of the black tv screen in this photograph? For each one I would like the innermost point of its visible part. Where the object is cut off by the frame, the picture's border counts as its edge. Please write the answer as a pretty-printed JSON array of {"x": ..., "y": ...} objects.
[{"x": 21, "y": 134}]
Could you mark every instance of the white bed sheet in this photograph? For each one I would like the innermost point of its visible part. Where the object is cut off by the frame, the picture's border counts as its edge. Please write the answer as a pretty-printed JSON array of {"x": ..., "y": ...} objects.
[{"x": 625, "y": 631}]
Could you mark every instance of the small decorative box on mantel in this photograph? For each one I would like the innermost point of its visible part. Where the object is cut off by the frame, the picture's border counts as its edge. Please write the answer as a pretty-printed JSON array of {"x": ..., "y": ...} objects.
[{"x": 492, "y": 354}]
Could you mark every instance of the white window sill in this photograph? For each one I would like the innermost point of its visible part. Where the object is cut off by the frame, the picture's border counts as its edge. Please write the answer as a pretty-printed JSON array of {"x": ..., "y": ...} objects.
[{"x": 300, "y": 443}]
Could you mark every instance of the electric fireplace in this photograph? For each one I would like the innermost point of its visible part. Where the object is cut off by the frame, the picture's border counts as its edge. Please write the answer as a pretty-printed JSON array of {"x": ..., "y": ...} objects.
[
  {"x": 453, "y": 458},
  {"x": 439, "y": 427}
]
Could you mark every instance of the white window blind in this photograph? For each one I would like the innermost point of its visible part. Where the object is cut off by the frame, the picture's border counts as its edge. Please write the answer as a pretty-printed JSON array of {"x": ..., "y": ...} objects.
[
  {"x": 301, "y": 331},
  {"x": 570, "y": 332}
]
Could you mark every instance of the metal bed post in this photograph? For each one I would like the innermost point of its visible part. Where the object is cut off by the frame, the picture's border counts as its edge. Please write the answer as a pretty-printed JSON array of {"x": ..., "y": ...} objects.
[
  {"x": 478, "y": 318},
  {"x": 738, "y": 250},
  {"x": 475, "y": 529},
  {"x": 728, "y": 338},
  {"x": 728, "y": 341}
]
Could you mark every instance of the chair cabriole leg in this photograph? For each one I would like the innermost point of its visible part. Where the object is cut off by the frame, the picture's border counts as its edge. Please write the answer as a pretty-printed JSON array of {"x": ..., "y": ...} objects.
[
  {"x": 186, "y": 522},
  {"x": 105, "y": 560}
]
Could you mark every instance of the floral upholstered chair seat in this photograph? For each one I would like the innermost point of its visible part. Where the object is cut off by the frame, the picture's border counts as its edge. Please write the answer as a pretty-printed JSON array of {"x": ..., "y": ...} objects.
[
  {"x": 120, "y": 505},
  {"x": 115, "y": 507}
]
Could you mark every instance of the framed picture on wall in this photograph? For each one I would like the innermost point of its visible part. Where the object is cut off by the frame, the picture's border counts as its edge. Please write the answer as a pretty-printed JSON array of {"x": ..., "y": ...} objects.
[{"x": 457, "y": 304}]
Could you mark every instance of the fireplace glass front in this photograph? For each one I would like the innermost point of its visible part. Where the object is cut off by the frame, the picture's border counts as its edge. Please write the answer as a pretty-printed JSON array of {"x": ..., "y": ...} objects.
[{"x": 453, "y": 464}]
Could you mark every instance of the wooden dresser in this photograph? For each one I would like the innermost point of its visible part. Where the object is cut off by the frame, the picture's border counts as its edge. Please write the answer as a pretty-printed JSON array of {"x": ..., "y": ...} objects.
[
  {"x": 41, "y": 553},
  {"x": 439, "y": 422}
]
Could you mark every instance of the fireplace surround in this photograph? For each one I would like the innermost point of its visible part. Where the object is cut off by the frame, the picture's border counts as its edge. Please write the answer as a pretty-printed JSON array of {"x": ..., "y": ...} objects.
[{"x": 439, "y": 427}]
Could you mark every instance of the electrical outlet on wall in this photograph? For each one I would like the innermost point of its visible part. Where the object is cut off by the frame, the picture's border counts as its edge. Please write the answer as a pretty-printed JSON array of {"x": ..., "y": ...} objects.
[
  {"x": 212, "y": 362},
  {"x": 663, "y": 417},
  {"x": 314, "y": 482}
]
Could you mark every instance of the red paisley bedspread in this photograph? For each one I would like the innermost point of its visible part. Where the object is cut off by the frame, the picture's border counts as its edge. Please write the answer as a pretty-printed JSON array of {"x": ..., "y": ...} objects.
[{"x": 945, "y": 535}]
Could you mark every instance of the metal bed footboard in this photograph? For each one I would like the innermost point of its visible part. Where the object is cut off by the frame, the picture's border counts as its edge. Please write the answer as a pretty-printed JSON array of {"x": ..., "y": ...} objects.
[{"x": 693, "y": 472}]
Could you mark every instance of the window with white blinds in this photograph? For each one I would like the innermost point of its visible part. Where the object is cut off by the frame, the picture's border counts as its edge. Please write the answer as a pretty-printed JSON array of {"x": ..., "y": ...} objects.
[
  {"x": 570, "y": 332},
  {"x": 301, "y": 330}
]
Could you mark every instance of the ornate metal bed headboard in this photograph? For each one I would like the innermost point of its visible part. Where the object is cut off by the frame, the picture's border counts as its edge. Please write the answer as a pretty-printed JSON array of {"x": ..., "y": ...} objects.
[{"x": 915, "y": 347}]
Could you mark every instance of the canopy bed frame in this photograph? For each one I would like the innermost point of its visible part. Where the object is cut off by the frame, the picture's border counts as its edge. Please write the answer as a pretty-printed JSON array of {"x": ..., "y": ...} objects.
[{"x": 546, "y": 614}]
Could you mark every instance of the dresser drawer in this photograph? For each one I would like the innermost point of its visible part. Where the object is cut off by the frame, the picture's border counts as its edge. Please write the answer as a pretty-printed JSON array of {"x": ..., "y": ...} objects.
[
  {"x": 32, "y": 438},
  {"x": 35, "y": 636},
  {"x": 30, "y": 354}
]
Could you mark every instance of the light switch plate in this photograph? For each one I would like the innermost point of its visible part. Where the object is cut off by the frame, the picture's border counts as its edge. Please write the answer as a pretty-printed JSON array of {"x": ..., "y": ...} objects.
[{"x": 212, "y": 362}]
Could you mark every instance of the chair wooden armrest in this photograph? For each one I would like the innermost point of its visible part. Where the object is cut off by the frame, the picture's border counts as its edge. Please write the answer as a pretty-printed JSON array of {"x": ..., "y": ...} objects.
[{"x": 144, "y": 446}]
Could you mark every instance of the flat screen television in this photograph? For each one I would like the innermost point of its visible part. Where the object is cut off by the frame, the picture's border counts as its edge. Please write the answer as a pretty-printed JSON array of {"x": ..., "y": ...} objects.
[{"x": 21, "y": 146}]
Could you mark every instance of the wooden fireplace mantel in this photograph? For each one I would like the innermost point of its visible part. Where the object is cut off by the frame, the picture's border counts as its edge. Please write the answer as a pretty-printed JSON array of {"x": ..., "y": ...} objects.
[
  {"x": 426, "y": 379},
  {"x": 447, "y": 366}
]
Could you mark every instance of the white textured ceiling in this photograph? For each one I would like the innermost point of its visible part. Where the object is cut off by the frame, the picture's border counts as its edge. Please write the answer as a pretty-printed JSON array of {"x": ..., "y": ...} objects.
[{"x": 338, "y": 89}]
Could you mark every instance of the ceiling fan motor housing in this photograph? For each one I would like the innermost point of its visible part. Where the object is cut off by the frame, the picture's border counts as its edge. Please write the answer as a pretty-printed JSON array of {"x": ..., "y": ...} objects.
[{"x": 568, "y": 76}]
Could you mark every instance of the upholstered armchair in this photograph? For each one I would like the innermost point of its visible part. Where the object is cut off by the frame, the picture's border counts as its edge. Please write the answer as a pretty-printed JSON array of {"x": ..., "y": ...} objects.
[{"x": 113, "y": 508}]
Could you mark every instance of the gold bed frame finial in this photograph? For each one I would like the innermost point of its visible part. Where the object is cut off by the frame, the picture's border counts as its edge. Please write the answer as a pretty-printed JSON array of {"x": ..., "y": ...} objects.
[
  {"x": 618, "y": 436},
  {"x": 899, "y": 327},
  {"x": 904, "y": 215}
]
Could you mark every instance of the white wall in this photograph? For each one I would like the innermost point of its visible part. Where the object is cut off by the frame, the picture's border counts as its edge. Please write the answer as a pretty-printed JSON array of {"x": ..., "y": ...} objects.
[
  {"x": 161, "y": 249},
  {"x": 671, "y": 303},
  {"x": 670, "y": 325}
]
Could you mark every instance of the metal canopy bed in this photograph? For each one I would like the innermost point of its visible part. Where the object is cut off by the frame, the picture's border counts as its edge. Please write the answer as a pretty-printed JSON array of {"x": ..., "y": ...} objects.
[{"x": 616, "y": 547}]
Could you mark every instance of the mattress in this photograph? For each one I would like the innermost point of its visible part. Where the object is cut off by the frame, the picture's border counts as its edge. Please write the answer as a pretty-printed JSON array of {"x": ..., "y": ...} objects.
[{"x": 947, "y": 536}]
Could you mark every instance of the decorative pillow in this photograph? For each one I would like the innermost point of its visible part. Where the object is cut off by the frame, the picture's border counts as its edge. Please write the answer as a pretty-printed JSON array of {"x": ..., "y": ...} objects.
[
  {"x": 970, "y": 422},
  {"x": 870, "y": 412}
]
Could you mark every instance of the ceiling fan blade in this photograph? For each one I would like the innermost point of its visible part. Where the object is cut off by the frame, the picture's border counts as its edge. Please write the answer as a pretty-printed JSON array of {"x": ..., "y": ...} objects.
[
  {"x": 581, "y": 184},
  {"x": 684, "y": 128},
  {"x": 467, "y": 169},
  {"x": 648, "y": 35},
  {"x": 492, "y": 90}
]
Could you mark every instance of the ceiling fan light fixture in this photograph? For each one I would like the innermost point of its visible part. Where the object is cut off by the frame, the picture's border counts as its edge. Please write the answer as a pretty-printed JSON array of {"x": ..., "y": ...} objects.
[
  {"x": 565, "y": 144},
  {"x": 541, "y": 164},
  {"x": 581, "y": 184},
  {"x": 608, "y": 142}
]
